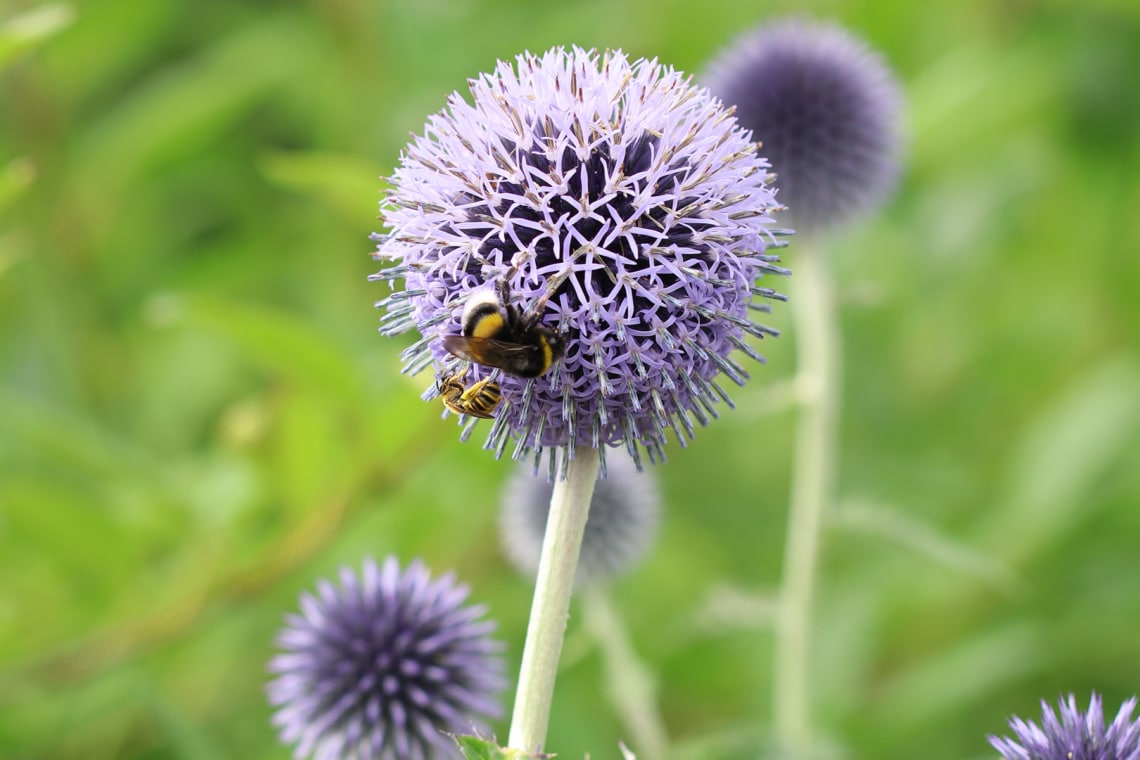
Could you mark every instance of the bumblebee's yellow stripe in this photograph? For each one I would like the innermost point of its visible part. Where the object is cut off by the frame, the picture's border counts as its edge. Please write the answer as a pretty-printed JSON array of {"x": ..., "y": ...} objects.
[
  {"x": 547, "y": 353},
  {"x": 486, "y": 322}
]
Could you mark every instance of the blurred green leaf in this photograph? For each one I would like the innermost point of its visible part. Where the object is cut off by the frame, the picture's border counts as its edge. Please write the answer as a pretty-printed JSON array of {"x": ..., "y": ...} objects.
[
  {"x": 898, "y": 527},
  {"x": 280, "y": 342},
  {"x": 963, "y": 674},
  {"x": 740, "y": 743},
  {"x": 349, "y": 184},
  {"x": 16, "y": 176},
  {"x": 23, "y": 32},
  {"x": 970, "y": 94},
  {"x": 475, "y": 748},
  {"x": 217, "y": 487},
  {"x": 65, "y": 522},
  {"x": 728, "y": 608},
  {"x": 313, "y": 450},
  {"x": 183, "y": 106},
  {"x": 12, "y": 252},
  {"x": 1062, "y": 457},
  {"x": 68, "y": 442},
  {"x": 184, "y": 739}
]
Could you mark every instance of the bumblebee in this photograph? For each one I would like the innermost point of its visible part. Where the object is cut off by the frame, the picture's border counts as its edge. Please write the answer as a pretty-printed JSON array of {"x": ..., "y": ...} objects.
[
  {"x": 480, "y": 400},
  {"x": 496, "y": 333}
]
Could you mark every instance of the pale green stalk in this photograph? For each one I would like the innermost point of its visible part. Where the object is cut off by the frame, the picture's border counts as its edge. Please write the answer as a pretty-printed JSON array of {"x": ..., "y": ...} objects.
[
  {"x": 630, "y": 684},
  {"x": 569, "y": 508},
  {"x": 813, "y": 482}
]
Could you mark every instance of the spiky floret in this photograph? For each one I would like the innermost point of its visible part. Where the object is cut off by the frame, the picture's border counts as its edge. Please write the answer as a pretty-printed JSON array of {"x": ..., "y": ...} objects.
[
  {"x": 1074, "y": 735},
  {"x": 622, "y": 193},
  {"x": 379, "y": 667}
]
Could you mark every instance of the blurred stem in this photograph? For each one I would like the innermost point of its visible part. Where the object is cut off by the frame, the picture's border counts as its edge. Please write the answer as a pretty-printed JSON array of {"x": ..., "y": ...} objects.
[
  {"x": 813, "y": 476},
  {"x": 631, "y": 686},
  {"x": 569, "y": 508}
]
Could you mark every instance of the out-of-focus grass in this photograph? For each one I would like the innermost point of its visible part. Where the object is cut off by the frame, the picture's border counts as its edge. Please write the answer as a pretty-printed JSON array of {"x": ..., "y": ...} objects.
[{"x": 197, "y": 419}]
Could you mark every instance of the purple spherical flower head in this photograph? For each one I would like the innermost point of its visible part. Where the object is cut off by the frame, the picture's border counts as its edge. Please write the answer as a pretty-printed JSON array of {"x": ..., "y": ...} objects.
[
  {"x": 621, "y": 527},
  {"x": 1073, "y": 736},
  {"x": 826, "y": 111},
  {"x": 380, "y": 667},
  {"x": 620, "y": 203}
]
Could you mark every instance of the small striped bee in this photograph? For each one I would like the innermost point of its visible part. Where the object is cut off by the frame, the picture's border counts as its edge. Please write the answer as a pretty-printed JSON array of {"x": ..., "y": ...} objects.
[
  {"x": 496, "y": 333},
  {"x": 478, "y": 400}
]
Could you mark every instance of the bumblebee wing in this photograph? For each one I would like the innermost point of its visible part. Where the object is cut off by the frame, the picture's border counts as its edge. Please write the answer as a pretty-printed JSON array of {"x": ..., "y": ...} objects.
[
  {"x": 488, "y": 351},
  {"x": 457, "y": 345}
]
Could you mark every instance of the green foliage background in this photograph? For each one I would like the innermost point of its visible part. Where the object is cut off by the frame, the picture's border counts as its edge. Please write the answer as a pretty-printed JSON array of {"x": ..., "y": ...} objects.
[{"x": 198, "y": 419}]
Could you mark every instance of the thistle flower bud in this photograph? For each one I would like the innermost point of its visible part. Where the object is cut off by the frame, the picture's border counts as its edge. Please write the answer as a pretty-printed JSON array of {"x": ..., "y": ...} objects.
[
  {"x": 620, "y": 530},
  {"x": 826, "y": 110},
  {"x": 620, "y": 211},
  {"x": 379, "y": 667}
]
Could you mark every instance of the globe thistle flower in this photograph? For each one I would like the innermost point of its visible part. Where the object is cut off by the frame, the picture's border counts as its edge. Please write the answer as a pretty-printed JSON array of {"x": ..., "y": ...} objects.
[
  {"x": 826, "y": 110},
  {"x": 616, "y": 202},
  {"x": 378, "y": 668},
  {"x": 1073, "y": 736},
  {"x": 620, "y": 529}
]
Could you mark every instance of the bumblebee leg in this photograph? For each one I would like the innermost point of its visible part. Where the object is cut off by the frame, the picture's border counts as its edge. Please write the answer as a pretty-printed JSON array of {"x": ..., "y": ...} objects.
[
  {"x": 552, "y": 286},
  {"x": 534, "y": 315}
]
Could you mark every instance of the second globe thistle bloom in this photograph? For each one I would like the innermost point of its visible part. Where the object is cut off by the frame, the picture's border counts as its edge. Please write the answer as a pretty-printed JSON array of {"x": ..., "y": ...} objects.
[
  {"x": 1074, "y": 735},
  {"x": 826, "y": 110},
  {"x": 616, "y": 201},
  {"x": 622, "y": 525},
  {"x": 381, "y": 666}
]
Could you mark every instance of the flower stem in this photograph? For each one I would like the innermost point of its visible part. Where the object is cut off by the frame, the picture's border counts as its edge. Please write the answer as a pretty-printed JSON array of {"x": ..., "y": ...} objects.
[
  {"x": 631, "y": 685},
  {"x": 569, "y": 508},
  {"x": 813, "y": 477}
]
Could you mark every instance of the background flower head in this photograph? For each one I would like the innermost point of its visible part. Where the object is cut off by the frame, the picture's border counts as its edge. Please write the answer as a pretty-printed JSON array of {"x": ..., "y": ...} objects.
[
  {"x": 380, "y": 666},
  {"x": 826, "y": 110},
  {"x": 1074, "y": 735},
  {"x": 621, "y": 528},
  {"x": 626, "y": 199}
]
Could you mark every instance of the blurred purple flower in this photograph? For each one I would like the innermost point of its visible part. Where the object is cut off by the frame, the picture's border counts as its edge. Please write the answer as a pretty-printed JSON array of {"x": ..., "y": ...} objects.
[
  {"x": 621, "y": 192},
  {"x": 1073, "y": 736},
  {"x": 378, "y": 668},
  {"x": 621, "y": 528},
  {"x": 826, "y": 110}
]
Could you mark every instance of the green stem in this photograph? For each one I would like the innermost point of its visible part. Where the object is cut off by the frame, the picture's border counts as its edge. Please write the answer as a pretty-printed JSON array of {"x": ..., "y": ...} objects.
[
  {"x": 813, "y": 482},
  {"x": 631, "y": 685},
  {"x": 569, "y": 508}
]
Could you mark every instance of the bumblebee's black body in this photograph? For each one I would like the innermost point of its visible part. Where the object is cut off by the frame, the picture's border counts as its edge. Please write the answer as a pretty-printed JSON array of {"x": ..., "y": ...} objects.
[
  {"x": 480, "y": 400},
  {"x": 497, "y": 334}
]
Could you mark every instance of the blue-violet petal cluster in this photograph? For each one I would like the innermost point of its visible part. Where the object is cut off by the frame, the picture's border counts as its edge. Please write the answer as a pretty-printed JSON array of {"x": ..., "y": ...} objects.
[
  {"x": 826, "y": 110},
  {"x": 623, "y": 194},
  {"x": 1074, "y": 735},
  {"x": 379, "y": 667}
]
